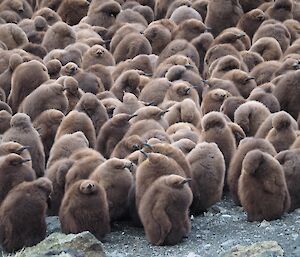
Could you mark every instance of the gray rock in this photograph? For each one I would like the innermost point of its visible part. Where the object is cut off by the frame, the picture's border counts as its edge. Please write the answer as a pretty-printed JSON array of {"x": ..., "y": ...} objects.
[
  {"x": 61, "y": 245},
  {"x": 53, "y": 224},
  {"x": 261, "y": 249}
]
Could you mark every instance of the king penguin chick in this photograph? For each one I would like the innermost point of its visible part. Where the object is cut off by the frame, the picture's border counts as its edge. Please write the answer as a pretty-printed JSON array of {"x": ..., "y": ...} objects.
[
  {"x": 222, "y": 15},
  {"x": 290, "y": 162},
  {"x": 13, "y": 171},
  {"x": 23, "y": 132},
  {"x": 213, "y": 100},
  {"x": 287, "y": 91},
  {"x": 127, "y": 82},
  {"x": 59, "y": 36},
  {"x": 89, "y": 199},
  {"x": 86, "y": 161},
  {"x": 129, "y": 105},
  {"x": 57, "y": 174},
  {"x": 112, "y": 132},
  {"x": 164, "y": 210},
  {"x": 243, "y": 82},
  {"x": 215, "y": 129},
  {"x": 234, "y": 171},
  {"x": 46, "y": 96},
  {"x": 208, "y": 174},
  {"x": 282, "y": 135},
  {"x": 96, "y": 111},
  {"x": 281, "y": 10},
  {"x": 27, "y": 201},
  {"x": 116, "y": 178},
  {"x": 47, "y": 124},
  {"x": 77, "y": 121},
  {"x": 250, "y": 21},
  {"x": 262, "y": 187},
  {"x": 66, "y": 145},
  {"x": 127, "y": 146},
  {"x": 250, "y": 115},
  {"x": 155, "y": 166}
]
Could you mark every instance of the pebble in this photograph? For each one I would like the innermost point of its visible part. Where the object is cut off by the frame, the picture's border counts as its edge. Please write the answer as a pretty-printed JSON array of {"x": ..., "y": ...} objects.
[
  {"x": 208, "y": 214},
  {"x": 264, "y": 224},
  {"x": 207, "y": 246},
  {"x": 297, "y": 211},
  {"x": 228, "y": 244},
  {"x": 226, "y": 216}
]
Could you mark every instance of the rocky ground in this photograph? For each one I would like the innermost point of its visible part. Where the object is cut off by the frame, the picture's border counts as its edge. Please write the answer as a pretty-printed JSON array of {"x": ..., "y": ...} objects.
[{"x": 216, "y": 233}]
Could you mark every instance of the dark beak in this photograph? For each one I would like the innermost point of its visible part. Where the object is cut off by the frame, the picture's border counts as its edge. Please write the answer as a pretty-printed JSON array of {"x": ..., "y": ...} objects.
[
  {"x": 249, "y": 78},
  {"x": 163, "y": 112},
  {"x": 261, "y": 17},
  {"x": 149, "y": 104},
  {"x": 187, "y": 90},
  {"x": 132, "y": 116},
  {"x": 144, "y": 153},
  {"x": 21, "y": 149},
  {"x": 239, "y": 36},
  {"x": 147, "y": 145},
  {"x": 26, "y": 160},
  {"x": 186, "y": 181},
  {"x": 205, "y": 81},
  {"x": 188, "y": 66},
  {"x": 147, "y": 74}
]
